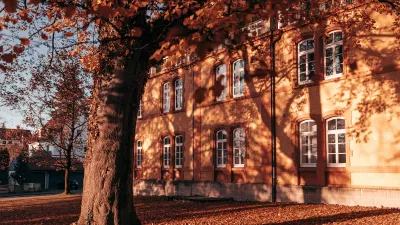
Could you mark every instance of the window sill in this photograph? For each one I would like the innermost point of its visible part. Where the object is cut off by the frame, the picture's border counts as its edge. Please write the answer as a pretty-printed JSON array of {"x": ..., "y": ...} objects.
[
  {"x": 220, "y": 168},
  {"x": 336, "y": 168}
]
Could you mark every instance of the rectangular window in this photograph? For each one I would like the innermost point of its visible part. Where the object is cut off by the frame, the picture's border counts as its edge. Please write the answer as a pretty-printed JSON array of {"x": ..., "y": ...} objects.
[
  {"x": 178, "y": 94},
  {"x": 220, "y": 85},
  {"x": 238, "y": 78},
  {"x": 139, "y": 153},
  {"x": 166, "y": 98},
  {"x": 336, "y": 142},
  {"x": 306, "y": 62},
  {"x": 178, "y": 151},
  {"x": 166, "y": 152},
  {"x": 334, "y": 55},
  {"x": 221, "y": 150},
  {"x": 308, "y": 143},
  {"x": 238, "y": 147},
  {"x": 139, "y": 113}
]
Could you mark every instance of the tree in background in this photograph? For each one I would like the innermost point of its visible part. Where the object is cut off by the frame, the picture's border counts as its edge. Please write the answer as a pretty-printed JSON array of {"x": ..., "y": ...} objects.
[
  {"x": 58, "y": 107},
  {"x": 120, "y": 40},
  {"x": 21, "y": 169},
  {"x": 4, "y": 163}
]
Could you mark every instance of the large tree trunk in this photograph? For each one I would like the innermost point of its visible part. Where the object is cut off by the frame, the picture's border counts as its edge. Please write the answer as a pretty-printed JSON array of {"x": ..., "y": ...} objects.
[
  {"x": 66, "y": 182},
  {"x": 108, "y": 182}
]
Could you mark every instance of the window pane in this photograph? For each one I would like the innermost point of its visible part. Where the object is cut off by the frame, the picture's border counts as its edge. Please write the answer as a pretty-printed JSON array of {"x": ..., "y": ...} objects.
[
  {"x": 342, "y": 148},
  {"x": 341, "y": 138},
  {"x": 310, "y": 57},
  {"x": 332, "y": 124},
  {"x": 331, "y": 138},
  {"x": 328, "y": 52},
  {"x": 310, "y": 44},
  {"x": 304, "y": 140},
  {"x": 303, "y": 77},
  {"x": 310, "y": 67},
  {"x": 304, "y": 127},
  {"x": 340, "y": 124},
  {"x": 329, "y": 66},
  {"x": 303, "y": 68},
  {"x": 304, "y": 158},
  {"x": 338, "y": 36},
  {"x": 331, "y": 148},
  {"x": 331, "y": 158},
  {"x": 329, "y": 39},
  {"x": 313, "y": 159},
  {"x": 338, "y": 50},
  {"x": 313, "y": 126},
  {"x": 303, "y": 46},
  {"x": 303, "y": 59},
  {"x": 342, "y": 158}
]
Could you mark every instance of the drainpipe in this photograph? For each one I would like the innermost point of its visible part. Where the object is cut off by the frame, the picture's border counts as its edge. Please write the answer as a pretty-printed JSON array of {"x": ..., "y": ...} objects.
[
  {"x": 273, "y": 106},
  {"x": 191, "y": 66}
]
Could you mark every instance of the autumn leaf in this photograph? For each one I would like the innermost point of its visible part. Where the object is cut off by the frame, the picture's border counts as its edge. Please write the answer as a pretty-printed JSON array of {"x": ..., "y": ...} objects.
[
  {"x": 9, "y": 57},
  {"x": 136, "y": 32},
  {"x": 34, "y": 2},
  {"x": 68, "y": 34},
  {"x": 104, "y": 11},
  {"x": 10, "y": 5},
  {"x": 44, "y": 36},
  {"x": 18, "y": 49},
  {"x": 70, "y": 11},
  {"x": 25, "y": 41}
]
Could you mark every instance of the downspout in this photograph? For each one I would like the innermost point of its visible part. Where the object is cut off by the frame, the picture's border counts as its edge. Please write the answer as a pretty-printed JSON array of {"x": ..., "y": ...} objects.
[
  {"x": 273, "y": 105},
  {"x": 193, "y": 127}
]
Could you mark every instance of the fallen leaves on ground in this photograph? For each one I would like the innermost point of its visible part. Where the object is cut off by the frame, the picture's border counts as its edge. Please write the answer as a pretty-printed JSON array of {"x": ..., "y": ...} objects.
[{"x": 62, "y": 209}]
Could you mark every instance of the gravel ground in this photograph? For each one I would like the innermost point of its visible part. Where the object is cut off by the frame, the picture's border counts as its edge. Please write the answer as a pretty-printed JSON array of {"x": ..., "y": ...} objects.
[{"x": 60, "y": 209}]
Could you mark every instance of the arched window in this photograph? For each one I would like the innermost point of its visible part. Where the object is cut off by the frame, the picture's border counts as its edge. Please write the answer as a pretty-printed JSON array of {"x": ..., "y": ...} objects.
[
  {"x": 239, "y": 147},
  {"x": 139, "y": 113},
  {"x": 178, "y": 94},
  {"x": 178, "y": 151},
  {"x": 334, "y": 55},
  {"x": 166, "y": 152},
  {"x": 308, "y": 143},
  {"x": 306, "y": 62},
  {"x": 139, "y": 153},
  {"x": 221, "y": 150},
  {"x": 336, "y": 142},
  {"x": 221, "y": 79},
  {"x": 166, "y": 99},
  {"x": 238, "y": 78}
]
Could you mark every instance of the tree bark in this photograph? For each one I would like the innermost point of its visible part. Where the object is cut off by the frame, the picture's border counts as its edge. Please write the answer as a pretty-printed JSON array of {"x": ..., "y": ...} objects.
[
  {"x": 108, "y": 182},
  {"x": 66, "y": 182}
]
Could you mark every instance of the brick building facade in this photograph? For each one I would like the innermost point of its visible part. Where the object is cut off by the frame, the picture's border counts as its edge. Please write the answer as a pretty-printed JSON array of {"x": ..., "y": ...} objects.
[{"x": 205, "y": 125}]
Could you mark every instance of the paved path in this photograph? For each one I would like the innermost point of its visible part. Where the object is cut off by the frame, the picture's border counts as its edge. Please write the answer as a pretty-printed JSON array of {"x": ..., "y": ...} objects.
[{"x": 40, "y": 193}]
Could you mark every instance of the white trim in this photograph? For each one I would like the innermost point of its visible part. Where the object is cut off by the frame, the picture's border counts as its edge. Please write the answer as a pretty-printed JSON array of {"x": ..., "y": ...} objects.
[
  {"x": 166, "y": 153},
  {"x": 139, "y": 152},
  {"x": 241, "y": 139},
  {"x": 178, "y": 90},
  {"x": 180, "y": 147},
  {"x": 222, "y": 96},
  {"x": 223, "y": 150},
  {"x": 336, "y": 132},
  {"x": 234, "y": 73},
  {"x": 301, "y": 53},
  {"x": 166, "y": 97},
  {"x": 139, "y": 114},
  {"x": 333, "y": 45},
  {"x": 308, "y": 134}
]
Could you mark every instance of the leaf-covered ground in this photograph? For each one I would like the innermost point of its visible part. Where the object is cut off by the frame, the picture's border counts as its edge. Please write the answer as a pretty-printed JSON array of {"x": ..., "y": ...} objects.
[{"x": 60, "y": 209}]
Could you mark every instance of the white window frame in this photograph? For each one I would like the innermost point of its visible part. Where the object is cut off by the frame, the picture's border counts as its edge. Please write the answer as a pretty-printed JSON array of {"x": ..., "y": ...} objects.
[
  {"x": 241, "y": 139},
  {"x": 307, "y": 134},
  {"x": 224, "y": 151},
  {"x": 178, "y": 151},
  {"x": 301, "y": 53},
  {"x": 178, "y": 94},
  {"x": 222, "y": 96},
  {"x": 139, "y": 154},
  {"x": 166, "y": 153},
  {"x": 166, "y": 97},
  {"x": 333, "y": 45},
  {"x": 241, "y": 85},
  {"x": 336, "y": 132},
  {"x": 139, "y": 114}
]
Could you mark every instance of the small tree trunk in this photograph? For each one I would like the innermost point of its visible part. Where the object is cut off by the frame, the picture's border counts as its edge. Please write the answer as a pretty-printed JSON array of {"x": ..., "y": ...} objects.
[
  {"x": 108, "y": 183},
  {"x": 66, "y": 182}
]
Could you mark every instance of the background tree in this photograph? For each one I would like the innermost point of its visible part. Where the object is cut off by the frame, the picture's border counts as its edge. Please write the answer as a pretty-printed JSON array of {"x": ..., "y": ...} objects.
[
  {"x": 58, "y": 107},
  {"x": 4, "y": 163},
  {"x": 21, "y": 169},
  {"x": 120, "y": 40}
]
